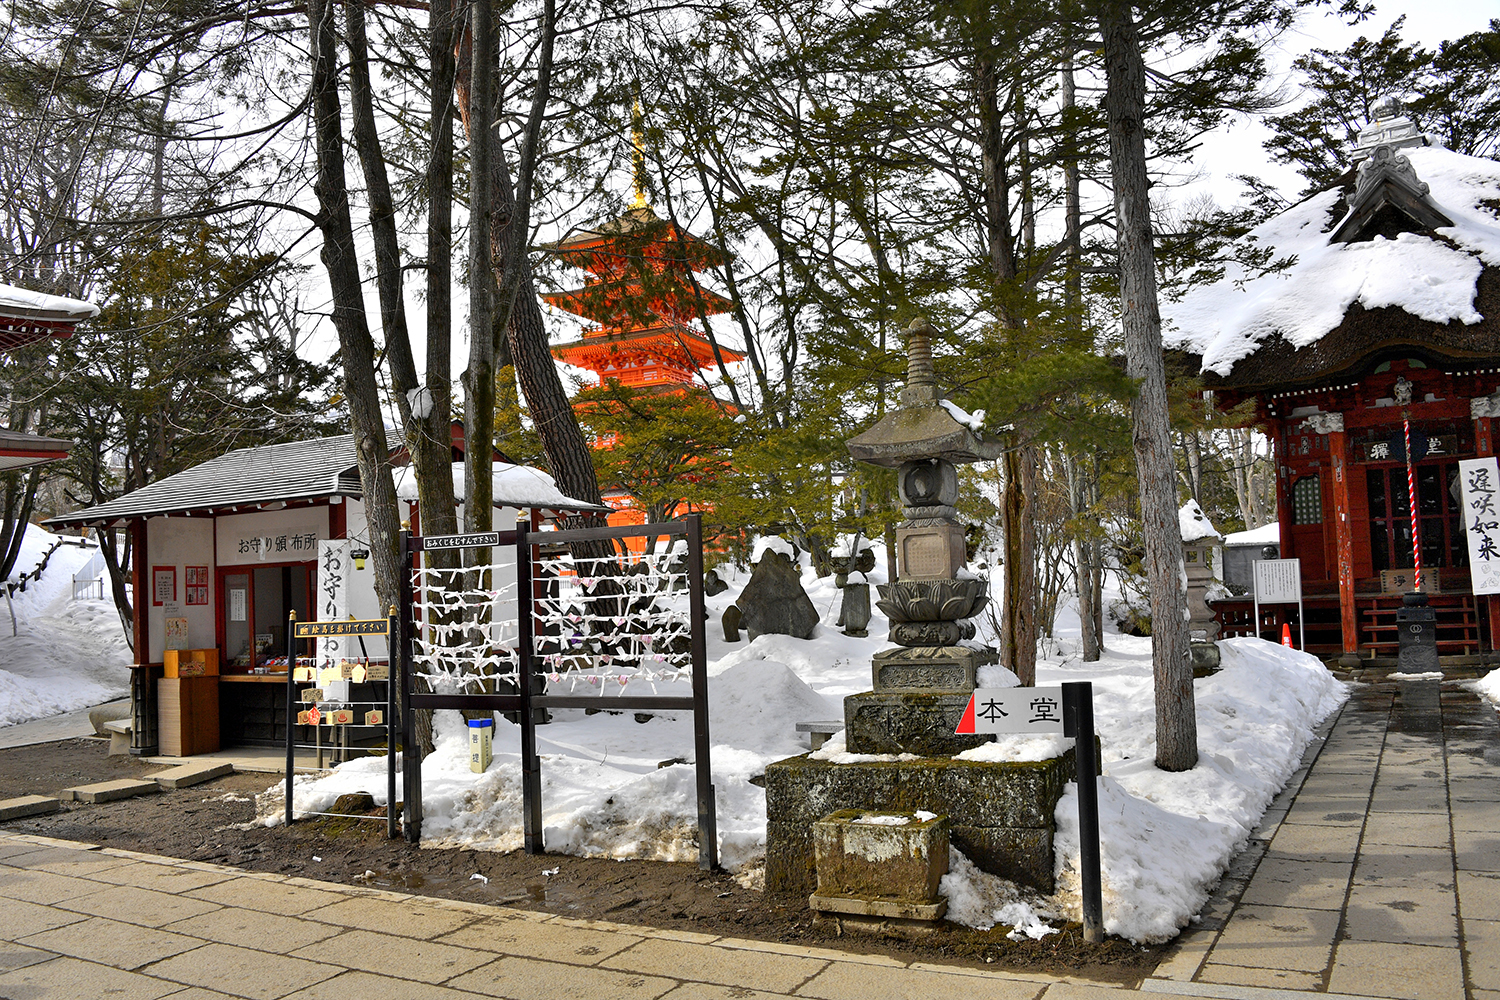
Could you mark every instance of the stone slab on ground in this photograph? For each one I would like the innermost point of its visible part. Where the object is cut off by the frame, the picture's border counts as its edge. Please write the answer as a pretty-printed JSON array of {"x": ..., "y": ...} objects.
[
  {"x": 28, "y": 805},
  {"x": 187, "y": 775},
  {"x": 108, "y": 791}
]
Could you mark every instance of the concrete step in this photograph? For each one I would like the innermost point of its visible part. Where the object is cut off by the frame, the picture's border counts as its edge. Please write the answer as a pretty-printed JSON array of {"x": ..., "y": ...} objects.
[
  {"x": 185, "y": 775},
  {"x": 108, "y": 791},
  {"x": 28, "y": 805}
]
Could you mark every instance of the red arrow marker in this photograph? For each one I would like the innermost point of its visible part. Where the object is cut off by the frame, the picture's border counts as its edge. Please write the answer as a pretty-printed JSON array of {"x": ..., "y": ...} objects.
[{"x": 966, "y": 725}]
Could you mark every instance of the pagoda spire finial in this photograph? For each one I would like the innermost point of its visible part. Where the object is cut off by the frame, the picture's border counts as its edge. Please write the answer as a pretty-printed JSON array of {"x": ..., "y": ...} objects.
[{"x": 638, "y": 156}]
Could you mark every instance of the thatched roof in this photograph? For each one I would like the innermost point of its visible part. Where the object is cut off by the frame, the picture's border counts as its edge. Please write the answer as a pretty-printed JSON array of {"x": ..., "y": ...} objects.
[{"x": 1375, "y": 275}]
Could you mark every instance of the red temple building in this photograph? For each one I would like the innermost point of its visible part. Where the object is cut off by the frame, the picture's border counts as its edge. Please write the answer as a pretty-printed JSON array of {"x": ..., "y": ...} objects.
[
  {"x": 648, "y": 309},
  {"x": 1382, "y": 316},
  {"x": 27, "y": 317}
]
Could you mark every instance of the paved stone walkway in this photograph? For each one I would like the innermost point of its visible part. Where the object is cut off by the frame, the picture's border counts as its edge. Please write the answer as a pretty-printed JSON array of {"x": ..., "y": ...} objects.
[
  {"x": 1376, "y": 875},
  {"x": 78, "y": 922}
]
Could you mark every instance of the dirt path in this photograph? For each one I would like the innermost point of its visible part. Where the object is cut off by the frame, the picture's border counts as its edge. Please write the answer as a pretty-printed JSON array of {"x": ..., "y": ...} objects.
[{"x": 205, "y": 823}]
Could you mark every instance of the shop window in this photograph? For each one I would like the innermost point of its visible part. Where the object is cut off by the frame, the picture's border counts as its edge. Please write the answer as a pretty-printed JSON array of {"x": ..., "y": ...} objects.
[{"x": 1307, "y": 501}]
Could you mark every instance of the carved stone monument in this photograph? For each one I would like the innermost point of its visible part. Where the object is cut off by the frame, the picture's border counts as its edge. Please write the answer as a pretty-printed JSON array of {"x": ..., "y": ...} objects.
[{"x": 1000, "y": 813}]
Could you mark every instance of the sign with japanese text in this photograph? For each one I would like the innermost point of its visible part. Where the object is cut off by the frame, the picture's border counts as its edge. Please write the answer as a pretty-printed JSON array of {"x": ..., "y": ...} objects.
[
  {"x": 472, "y": 540},
  {"x": 272, "y": 536},
  {"x": 163, "y": 584},
  {"x": 1278, "y": 581},
  {"x": 1013, "y": 711},
  {"x": 334, "y": 566},
  {"x": 312, "y": 630},
  {"x": 1479, "y": 480}
]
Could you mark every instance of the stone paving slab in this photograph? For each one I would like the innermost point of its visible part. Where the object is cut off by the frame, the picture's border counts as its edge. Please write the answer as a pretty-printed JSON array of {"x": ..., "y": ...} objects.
[
  {"x": 75, "y": 979},
  {"x": 187, "y": 775},
  {"x": 711, "y": 964},
  {"x": 1403, "y": 971},
  {"x": 243, "y": 972},
  {"x": 137, "y": 906},
  {"x": 109, "y": 791},
  {"x": 110, "y": 942},
  {"x": 253, "y": 929},
  {"x": 532, "y": 979},
  {"x": 510, "y": 936},
  {"x": 399, "y": 958},
  {"x": 851, "y": 982},
  {"x": 28, "y": 805}
]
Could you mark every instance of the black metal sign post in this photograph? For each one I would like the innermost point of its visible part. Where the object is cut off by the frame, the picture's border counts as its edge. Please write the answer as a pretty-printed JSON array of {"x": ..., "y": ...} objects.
[
  {"x": 1032, "y": 711},
  {"x": 1078, "y": 722},
  {"x": 531, "y": 763},
  {"x": 387, "y": 627}
]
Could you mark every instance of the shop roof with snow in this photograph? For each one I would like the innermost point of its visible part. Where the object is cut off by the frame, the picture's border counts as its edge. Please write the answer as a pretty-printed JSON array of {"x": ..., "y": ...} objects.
[
  {"x": 225, "y": 551},
  {"x": 1391, "y": 274}
]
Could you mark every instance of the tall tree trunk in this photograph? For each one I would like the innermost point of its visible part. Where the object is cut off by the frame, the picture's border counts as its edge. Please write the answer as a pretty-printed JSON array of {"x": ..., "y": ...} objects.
[
  {"x": 427, "y": 436},
  {"x": 1018, "y": 620},
  {"x": 479, "y": 376},
  {"x": 563, "y": 443},
  {"x": 355, "y": 344},
  {"x": 1151, "y": 437}
]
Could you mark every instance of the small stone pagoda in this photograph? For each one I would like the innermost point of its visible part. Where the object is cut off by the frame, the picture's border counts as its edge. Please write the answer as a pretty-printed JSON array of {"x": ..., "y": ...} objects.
[{"x": 1000, "y": 812}]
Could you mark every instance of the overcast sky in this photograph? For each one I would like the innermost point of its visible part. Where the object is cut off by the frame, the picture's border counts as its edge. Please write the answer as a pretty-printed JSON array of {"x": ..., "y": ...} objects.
[{"x": 1238, "y": 150}]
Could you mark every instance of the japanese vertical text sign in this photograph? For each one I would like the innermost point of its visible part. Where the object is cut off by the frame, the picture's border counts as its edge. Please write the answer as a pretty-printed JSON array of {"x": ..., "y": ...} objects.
[
  {"x": 333, "y": 595},
  {"x": 1278, "y": 581},
  {"x": 1011, "y": 711},
  {"x": 1480, "y": 481}
]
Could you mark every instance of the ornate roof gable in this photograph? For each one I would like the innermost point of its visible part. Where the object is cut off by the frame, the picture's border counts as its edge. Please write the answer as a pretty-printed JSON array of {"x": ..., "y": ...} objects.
[{"x": 1388, "y": 194}]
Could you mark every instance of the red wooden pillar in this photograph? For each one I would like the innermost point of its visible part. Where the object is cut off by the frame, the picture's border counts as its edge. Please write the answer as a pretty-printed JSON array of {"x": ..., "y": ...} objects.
[
  {"x": 1343, "y": 529},
  {"x": 1484, "y": 447}
]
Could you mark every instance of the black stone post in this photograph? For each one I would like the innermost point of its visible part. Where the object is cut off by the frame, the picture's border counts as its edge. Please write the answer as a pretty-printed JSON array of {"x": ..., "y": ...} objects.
[{"x": 1416, "y": 626}]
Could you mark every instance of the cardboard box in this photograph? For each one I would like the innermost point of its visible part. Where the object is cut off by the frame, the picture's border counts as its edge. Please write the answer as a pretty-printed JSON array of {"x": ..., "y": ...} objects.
[
  {"x": 481, "y": 744},
  {"x": 375, "y": 717},
  {"x": 190, "y": 662}
]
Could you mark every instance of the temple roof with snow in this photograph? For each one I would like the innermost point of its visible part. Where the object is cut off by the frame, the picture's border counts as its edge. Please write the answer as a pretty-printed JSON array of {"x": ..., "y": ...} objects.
[{"x": 1404, "y": 250}]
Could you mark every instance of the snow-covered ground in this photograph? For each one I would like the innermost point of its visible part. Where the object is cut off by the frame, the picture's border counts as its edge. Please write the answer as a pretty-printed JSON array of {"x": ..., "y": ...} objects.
[
  {"x": 65, "y": 654},
  {"x": 1165, "y": 838}
]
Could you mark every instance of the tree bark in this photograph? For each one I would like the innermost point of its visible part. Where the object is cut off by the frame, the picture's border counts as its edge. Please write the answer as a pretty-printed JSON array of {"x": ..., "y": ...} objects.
[
  {"x": 479, "y": 376},
  {"x": 355, "y": 344},
  {"x": 563, "y": 443},
  {"x": 1125, "y": 99}
]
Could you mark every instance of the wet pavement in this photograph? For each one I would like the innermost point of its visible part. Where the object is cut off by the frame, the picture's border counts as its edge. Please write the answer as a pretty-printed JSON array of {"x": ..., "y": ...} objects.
[{"x": 1376, "y": 873}]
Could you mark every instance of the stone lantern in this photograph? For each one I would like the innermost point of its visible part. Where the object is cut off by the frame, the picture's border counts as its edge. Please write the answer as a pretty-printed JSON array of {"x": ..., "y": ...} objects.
[
  {"x": 922, "y": 685},
  {"x": 1199, "y": 538},
  {"x": 1000, "y": 814}
]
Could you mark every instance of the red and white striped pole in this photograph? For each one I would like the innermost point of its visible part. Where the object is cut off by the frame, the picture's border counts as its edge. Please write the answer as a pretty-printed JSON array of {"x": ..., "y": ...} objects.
[{"x": 1411, "y": 500}]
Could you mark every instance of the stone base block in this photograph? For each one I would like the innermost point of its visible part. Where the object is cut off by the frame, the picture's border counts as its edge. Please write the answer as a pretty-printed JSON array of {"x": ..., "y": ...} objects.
[
  {"x": 895, "y": 857},
  {"x": 924, "y": 724},
  {"x": 883, "y": 908},
  {"x": 1001, "y": 814},
  {"x": 108, "y": 791},
  {"x": 927, "y": 668}
]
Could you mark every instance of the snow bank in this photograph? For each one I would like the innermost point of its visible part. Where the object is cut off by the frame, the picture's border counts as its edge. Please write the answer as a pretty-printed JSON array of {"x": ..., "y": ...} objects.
[{"x": 66, "y": 654}]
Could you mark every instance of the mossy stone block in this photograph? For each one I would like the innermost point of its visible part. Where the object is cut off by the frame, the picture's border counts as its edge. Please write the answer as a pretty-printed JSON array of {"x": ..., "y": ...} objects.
[{"x": 876, "y": 854}]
